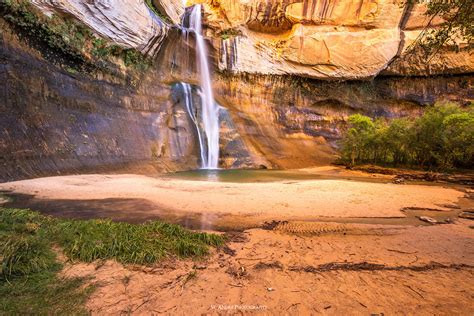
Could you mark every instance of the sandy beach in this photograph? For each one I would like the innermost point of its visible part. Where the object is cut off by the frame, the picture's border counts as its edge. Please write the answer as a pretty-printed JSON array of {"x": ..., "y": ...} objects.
[
  {"x": 304, "y": 257},
  {"x": 273, "y": 200}
]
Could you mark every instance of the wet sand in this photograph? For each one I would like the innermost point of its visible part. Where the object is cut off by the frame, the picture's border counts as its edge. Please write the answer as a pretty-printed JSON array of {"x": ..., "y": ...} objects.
[{"x": 252, "y": 202}]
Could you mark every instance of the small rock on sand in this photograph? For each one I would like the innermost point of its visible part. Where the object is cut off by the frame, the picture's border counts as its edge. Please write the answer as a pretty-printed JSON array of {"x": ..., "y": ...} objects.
[
  {"x": 428, "y": 219},
  {"x": 467, "y": 215}
]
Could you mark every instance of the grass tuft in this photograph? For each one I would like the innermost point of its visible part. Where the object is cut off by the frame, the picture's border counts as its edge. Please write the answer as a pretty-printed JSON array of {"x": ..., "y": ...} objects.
[
  {"x": 128, "y": 243},
  {"x": 29, "y": 283},
  {"x": 25, "y": 255},
  {"x": 29, "y": 280}
]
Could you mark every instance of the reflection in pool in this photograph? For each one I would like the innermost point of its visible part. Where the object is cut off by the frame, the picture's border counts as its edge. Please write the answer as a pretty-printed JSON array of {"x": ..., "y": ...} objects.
[{"x": 244, "y": 176}]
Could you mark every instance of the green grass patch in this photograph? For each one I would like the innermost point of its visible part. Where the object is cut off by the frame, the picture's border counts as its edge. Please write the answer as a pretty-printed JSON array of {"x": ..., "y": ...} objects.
[
  {"x": 43, "y": 293},
  {"x": 29, "y": 281},
  {"x": 129, "y": 243}
]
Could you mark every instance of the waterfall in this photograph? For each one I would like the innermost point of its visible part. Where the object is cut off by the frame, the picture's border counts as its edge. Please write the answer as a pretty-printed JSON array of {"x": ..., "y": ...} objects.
[
  {"x": 188, "y": 100},
  {"x": 210, "y": 110}
]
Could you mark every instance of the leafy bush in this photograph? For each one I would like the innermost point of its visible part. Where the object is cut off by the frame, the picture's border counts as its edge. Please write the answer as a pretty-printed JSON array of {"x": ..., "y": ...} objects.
[
  {"x": 443, "y": 137},
  {"x": 229, "y": 33},
  {"x": 64, "y": 36}
]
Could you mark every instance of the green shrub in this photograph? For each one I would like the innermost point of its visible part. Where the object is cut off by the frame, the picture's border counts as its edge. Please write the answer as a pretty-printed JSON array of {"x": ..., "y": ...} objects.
[
  {"x": 458, "y": 139},
  {"x": 443, "y": 138},
  {"x": 134, "y": 58},
  {"x": 229, "y": 33}
]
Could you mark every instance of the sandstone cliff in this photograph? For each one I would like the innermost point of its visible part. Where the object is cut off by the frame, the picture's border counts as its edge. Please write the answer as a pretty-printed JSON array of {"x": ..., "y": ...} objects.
[
  {"x": 326, "y": 39},
  {"x": 288, "y": 121},
  {"x": 129, "y": 23},
  {"x": 55, "y": 119},
  {"x": 323, "y": 39}
]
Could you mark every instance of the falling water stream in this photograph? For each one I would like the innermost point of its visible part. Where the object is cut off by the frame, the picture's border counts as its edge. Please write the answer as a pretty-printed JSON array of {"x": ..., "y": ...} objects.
[
  {"x": 188, "y": 99},
  {"x": 209, "y": 137}
]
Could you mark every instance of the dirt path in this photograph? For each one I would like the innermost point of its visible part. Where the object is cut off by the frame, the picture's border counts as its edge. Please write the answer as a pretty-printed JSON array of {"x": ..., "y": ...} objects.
[{"x": 415, "y": 270}]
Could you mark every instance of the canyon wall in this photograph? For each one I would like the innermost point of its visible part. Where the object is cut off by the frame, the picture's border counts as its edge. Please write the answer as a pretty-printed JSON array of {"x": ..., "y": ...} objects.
[
  {"x": 286, "y": 121},
  {"x": 326, "y": 39},
  {"x": 129, "y": 23},
  {"x": 322, "y": 39},
  {"x": 269, "y": 57},
  {"x": 54, "y": 120},
  {"x": 289, "y": 122}
]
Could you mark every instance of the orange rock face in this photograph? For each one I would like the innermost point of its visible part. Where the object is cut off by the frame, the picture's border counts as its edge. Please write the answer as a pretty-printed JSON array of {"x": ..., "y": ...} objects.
[
  {"x": 323, "y": 39},
  {"x": 330, "y": 39},
  {"x": 362, "y": 12}
]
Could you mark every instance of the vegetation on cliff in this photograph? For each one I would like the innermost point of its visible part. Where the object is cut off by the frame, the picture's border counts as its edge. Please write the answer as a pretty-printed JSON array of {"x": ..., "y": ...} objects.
[
  {"x": 30, "y": 242},
  {"x": 458, "y": 17},
  {"x": 442, "y": 138},
  {"x": 230, "y": 33},
  {"x": 70, "y": 38},
  {"x": 157, "y": 11}
]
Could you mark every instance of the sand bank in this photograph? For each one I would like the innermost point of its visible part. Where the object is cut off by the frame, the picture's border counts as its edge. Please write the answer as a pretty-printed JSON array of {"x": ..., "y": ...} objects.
[{"x": 280, "y": 200}]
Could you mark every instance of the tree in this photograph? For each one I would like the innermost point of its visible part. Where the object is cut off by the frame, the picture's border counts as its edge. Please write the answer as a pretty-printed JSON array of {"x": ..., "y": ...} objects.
[
  {"x": 458, "y": 16},
  {"x": 459, "y": 139},
  {"x": 428, "y": 143},
  {"x": 442, "y": 138},
  {"x": 399, "y": 140},
  {"x": 378, "y": 141},
  {"x": 359, "y": 134}
]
